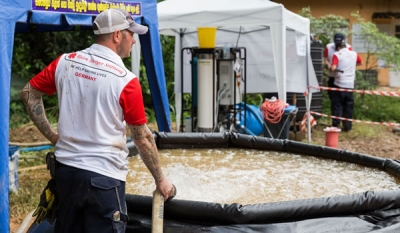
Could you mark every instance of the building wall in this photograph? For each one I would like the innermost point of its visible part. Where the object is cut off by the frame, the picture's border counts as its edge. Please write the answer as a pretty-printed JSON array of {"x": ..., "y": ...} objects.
[{"x": 344, "y": 8}]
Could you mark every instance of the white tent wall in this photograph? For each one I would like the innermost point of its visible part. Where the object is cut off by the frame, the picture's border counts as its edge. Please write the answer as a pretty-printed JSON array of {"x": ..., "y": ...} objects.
[
  {"x": 262, "y": 63},
  {"x": 278, "y": 50},
  {"x": 135, "y": 56},
  {"x": 276, "y": 40}
]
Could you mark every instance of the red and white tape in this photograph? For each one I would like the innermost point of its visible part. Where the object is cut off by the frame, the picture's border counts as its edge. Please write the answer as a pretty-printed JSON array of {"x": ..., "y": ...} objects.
[
  {"x": 381, "y": 93},
  {"x": 358, "y": 121},
  {"x": 304, "y": 121},
  {"x": 369, "y": 92}
]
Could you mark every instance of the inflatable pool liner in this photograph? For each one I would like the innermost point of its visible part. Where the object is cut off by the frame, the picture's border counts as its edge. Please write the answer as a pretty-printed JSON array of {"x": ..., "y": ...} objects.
[{"x": 369, "y": 211}]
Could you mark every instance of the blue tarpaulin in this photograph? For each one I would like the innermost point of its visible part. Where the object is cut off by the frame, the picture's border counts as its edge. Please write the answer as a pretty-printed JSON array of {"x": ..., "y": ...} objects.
[{"x": 64, "y": 15}]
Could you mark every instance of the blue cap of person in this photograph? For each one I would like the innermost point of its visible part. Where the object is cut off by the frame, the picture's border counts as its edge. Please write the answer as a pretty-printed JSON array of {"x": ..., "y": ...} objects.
[{"x": 338, "y": 38}]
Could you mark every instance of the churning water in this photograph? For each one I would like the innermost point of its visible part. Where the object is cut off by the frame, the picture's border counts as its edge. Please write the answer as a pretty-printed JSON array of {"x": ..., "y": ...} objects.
[{"x": 252, "y": 176}]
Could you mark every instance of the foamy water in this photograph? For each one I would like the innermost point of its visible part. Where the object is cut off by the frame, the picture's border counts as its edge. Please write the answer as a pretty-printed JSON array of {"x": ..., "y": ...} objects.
[{"x": 253, "y": 176}]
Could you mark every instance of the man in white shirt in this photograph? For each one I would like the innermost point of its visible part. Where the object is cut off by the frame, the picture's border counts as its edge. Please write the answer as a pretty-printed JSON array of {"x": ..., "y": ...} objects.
[
  {"x": 330, "y": 49},
  {"x": 344, "y": 63},
  {"x": 97, "y": 96}
]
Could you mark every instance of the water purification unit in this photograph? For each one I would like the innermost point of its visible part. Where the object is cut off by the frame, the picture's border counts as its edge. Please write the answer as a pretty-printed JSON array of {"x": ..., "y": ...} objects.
[{"x": 218, "y": 93}]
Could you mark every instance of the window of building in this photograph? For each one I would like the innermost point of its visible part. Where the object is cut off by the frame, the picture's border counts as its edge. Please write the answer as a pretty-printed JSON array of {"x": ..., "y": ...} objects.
[{"x": 397, "y": 31}]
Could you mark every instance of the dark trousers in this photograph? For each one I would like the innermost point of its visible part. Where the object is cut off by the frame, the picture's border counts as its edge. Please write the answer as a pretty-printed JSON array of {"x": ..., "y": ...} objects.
[
  {"x": 89, "y": 202},
  {"x": 342, "y": 106}
]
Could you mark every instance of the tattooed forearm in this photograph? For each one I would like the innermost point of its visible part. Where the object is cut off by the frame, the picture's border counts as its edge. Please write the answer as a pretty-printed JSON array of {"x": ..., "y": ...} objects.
[
  {"x": 144, "y": 142},
  {"x": 33, "y": 102}
]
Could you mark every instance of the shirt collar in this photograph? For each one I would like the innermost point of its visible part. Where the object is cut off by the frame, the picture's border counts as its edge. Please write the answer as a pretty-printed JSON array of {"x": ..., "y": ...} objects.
[{"x": 106, "y": 52}]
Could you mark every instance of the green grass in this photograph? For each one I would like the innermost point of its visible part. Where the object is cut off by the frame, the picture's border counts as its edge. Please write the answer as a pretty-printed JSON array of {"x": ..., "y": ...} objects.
[
  {"x": 26, "y": 198},
  {"x": 366, "y": 131},
  {"x": 359, "y": 130},
  {"x": 31, "y": 183},
  {"x": 377, "y": 108},
  {"x": 32, "y": 158}
]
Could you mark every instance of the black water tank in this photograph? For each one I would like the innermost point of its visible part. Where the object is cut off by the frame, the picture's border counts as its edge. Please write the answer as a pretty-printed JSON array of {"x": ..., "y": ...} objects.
[{"x": 317, "y": 59}]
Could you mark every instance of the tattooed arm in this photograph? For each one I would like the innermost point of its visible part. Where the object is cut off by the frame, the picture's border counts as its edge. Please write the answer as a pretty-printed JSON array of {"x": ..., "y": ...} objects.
[
  {"x": 144, "y": 142},
  {"x": 33, "y": 102}
]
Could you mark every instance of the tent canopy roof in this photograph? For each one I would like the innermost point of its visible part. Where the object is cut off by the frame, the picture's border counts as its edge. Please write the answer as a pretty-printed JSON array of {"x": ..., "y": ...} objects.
[{"x": 174, "y": 14}]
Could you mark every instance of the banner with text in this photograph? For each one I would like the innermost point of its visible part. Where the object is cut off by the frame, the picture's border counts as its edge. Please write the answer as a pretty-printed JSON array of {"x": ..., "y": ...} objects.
[{"x": 92, "y": 7}]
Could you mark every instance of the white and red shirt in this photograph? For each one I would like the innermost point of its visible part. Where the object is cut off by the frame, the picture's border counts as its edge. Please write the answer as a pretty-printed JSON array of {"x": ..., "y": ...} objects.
[
  {"x": 346, "y": 61},
  {"x": 330, "y": 49},
  {"x": 97, "y": 96}
]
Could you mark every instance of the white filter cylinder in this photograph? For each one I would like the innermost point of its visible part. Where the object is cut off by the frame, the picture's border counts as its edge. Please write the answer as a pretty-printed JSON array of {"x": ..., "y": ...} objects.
[{"x": 205, "y": 98}]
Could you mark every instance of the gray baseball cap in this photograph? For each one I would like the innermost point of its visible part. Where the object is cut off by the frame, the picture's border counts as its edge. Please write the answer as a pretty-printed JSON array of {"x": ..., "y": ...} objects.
[{"x": 112, "y": 20}]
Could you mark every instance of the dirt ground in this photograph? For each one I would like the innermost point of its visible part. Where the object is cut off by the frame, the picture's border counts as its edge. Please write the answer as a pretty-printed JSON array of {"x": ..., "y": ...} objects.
[
  {"x": 27, "y": 134},
  {"x": 385, "y": 144}
]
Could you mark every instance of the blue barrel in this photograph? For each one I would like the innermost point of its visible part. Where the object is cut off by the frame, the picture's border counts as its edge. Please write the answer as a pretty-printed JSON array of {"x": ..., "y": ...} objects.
[{"x": 254, "y": 124}]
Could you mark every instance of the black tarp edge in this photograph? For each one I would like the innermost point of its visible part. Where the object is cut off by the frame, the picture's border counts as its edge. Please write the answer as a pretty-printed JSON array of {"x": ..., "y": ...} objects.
[
  {"x": 223, "y": 214},
  {"x": 353, "y": 204},
  {"x": 370, "y": 211}
]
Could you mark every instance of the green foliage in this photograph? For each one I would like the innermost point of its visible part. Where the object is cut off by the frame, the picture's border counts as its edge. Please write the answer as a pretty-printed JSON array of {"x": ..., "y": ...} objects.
[
  {"x": 150, "y": 114},
  {"x": 168, "y": 52},
  {"x": 378, "y": 45},
  {"x": 254, "y": 99},
  {"x": 368, "y": 108},
  {"x": 376, "y": 108},
  {"x": 366, "y": 80},
  {"x": 326, "y": 104},
  {"x": 167, "y": 44},
  {"x": 18, "y": 115},
  {"x": 326, "y": 26},
  {"x": 171, "y": 97},
  {"x": 32, "y": 52}
]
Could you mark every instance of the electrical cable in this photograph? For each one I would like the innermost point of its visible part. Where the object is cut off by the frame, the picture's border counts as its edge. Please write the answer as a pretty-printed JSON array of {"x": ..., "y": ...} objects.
[
  {"x": 273, "y": 110},
  {"x": 237, "y": 41}
]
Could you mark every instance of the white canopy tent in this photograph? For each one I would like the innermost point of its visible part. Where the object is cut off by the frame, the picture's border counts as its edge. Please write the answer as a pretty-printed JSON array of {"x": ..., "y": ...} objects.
[{"x": 277, "y": 41}]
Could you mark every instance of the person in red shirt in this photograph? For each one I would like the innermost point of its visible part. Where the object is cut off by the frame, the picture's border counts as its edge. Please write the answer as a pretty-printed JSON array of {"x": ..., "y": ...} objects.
[
  {"x": 330, "y": 49},
  {"x": 344, "y": 63},
  {"x": 97, "y": 97}
]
